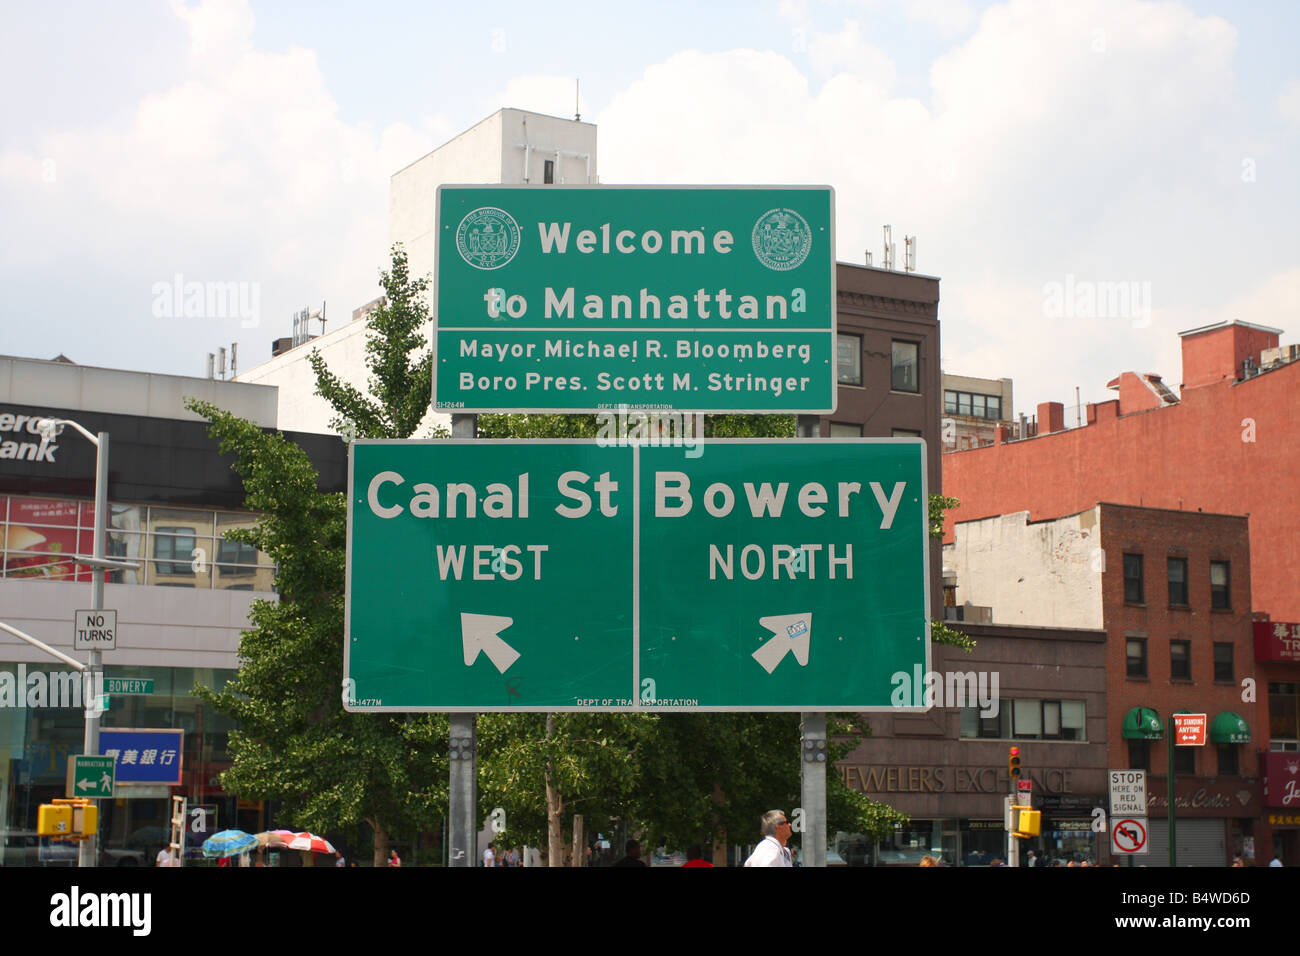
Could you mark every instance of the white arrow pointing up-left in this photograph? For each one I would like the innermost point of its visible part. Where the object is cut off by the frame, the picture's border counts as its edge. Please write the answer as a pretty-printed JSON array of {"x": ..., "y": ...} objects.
[{"x": 480, "y": 633}]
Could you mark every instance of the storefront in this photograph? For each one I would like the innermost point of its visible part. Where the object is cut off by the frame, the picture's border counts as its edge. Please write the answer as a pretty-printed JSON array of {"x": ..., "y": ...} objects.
[
  {"x": 180, "y": 610},
  {"x": 948, "y": 768}
]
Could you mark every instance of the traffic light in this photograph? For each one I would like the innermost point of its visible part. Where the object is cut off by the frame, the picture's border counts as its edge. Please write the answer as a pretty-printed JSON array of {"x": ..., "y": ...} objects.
[
  {"x": 1027, "y": 822},
  {"x": 75, "y": 819},
  {"x": 1013, "y": 763}
]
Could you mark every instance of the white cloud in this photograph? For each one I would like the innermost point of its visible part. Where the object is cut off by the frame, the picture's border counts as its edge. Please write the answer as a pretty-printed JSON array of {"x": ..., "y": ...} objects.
[
  {"x": 242, "y": 170},
  {"x": 1043, "y": 153},
  {"x": 1288, "y": 101}
]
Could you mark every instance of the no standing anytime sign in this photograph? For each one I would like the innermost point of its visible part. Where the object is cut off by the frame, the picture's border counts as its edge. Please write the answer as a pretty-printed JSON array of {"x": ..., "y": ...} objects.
[{"x": 583, "y": 298}]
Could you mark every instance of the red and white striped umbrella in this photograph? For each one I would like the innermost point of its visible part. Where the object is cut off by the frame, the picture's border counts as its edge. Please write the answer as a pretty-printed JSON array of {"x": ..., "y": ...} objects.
[
  {"x": 295, "y": 841},
  {"x": 310, "y": 842}
]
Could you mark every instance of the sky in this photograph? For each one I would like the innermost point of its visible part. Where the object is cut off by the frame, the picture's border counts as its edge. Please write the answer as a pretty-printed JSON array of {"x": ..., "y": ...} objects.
[{"x": 1086, "y": 178}]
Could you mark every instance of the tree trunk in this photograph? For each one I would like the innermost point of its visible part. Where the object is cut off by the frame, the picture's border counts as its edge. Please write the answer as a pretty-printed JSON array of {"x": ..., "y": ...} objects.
[
  {"x": 719, "y": 829},
  {"x": 554, "y": 806},
  {"x": 579, "y": 842},
  {"x": 381, "y": 845}
]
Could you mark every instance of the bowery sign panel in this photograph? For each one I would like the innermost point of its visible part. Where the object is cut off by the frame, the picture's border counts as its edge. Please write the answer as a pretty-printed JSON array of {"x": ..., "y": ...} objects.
[
  {"x": 582, "y": 298},
  {"x": 567, "y": 575}
]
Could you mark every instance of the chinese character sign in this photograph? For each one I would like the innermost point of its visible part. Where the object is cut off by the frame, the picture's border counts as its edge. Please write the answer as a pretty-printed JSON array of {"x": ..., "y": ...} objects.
[{"x": 144, "y": 756}]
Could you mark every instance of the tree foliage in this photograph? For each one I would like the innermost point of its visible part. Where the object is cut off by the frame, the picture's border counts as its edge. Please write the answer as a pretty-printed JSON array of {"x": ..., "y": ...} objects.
[{"x": 330, "y": 769}]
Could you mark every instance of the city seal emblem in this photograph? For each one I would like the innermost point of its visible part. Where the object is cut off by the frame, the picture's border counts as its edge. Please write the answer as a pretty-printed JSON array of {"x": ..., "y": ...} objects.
[
  {"x": 782, "y": 239},
  {"x": 487, "y": 238}
]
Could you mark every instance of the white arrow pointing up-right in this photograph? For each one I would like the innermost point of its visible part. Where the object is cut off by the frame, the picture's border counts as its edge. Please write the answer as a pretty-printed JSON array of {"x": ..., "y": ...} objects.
[
  {"x": 480, "y": 633},
  {"x": 793, "y": 635}
]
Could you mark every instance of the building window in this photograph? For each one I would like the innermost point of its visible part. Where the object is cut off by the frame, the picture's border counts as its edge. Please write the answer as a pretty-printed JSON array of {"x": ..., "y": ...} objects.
[
  {"x": 1228, "y": 760},
  {"x": 168, "y": 545},
  {"x": 905, "y": 433},
  {"x": 1139, "y": 755},
  {"x": 997, "y": 727},
  {"x": 1223, "y": 663},
  {"x": 1027, "y": 720},
  {"x": 976, "y": 406},
  {"x": 1180, "y": 660},
  {"x": 1220, "y": 578},
  {"x": 1178, "y": 582},
  {"x": 906, "y": 368},
  {"x": 1185, "y": 761},
  {"x": 1133, "y": 588},
  {"x": 1284, "y": 710},
  {"x": 848, "y": 359},
  {"x": 845, "y": 430},
  {"x": 1137, "y": 657},
  {"x": 548, "y": 172}
]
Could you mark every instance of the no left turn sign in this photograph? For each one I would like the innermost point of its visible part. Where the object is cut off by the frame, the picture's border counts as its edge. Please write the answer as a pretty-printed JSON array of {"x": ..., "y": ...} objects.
[{"x": 1129, "y": 836}]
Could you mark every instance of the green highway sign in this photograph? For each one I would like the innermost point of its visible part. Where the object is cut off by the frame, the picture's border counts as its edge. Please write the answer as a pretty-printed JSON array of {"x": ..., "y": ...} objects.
[
  {"x": 127, "y": 685},
  {"x": 90, "y": 776},
  {"x": 684, "y": 298},
  {"x": 569, "y": 575}
]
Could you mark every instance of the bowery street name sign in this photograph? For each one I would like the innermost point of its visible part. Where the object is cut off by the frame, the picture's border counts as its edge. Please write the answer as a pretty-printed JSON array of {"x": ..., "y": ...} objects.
[
  {"x": 566, "y": 575},
  {"x": 579, "y": 298}
]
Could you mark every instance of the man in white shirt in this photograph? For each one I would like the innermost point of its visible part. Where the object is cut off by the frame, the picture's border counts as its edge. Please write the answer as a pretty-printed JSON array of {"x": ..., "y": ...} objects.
[{"x": 776, "y": 833}]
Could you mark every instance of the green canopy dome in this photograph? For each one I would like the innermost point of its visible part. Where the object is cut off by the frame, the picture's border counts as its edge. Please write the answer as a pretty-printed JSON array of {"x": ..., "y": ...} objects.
[
  {"x": 1142, "y": 723},
  {"x": 1230, "y": 728}
]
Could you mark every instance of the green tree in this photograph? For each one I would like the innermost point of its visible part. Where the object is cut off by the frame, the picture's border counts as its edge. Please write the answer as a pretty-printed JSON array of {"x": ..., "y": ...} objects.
[
  {"x": 941, "y": 633},
  {"x": 296, "y": 744}
]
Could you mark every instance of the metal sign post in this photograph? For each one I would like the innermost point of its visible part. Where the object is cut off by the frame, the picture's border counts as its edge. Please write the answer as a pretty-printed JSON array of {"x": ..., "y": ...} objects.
[{"x": 463, "y": 747}]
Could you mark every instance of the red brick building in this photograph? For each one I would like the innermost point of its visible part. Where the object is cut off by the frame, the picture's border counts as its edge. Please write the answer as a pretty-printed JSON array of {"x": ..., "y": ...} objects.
[
  {"x": 1174, "y": 643},
  {"x": 1227, "y": 444}
]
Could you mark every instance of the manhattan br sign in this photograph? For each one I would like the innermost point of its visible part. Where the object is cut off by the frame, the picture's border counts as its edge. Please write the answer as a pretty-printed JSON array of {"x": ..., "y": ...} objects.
[
  {"x": 582, "y": 298},
  {"x": 564, "y": 575}
]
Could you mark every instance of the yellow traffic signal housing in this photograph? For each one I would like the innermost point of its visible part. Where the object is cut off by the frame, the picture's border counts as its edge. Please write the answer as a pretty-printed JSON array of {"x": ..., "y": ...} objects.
[
  {"x": 1013, "y": 763},
  {"x": 68, "y": 819},
  {"x": 55, "y": 821},
  {"x": 86, "y": 820},
  {"x": 1028, "y": 821}
]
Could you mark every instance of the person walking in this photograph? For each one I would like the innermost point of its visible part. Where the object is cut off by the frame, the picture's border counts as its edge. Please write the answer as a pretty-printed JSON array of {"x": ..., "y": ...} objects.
[{"x": 772, "y": 850}]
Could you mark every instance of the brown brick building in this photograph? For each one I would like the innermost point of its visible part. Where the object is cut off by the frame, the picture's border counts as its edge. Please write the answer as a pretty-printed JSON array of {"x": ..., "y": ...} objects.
[{"x": 1172, "y": 591}]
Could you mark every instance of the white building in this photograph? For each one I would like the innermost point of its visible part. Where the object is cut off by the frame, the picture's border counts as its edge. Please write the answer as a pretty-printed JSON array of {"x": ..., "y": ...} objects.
[{"x": 510, "y": 146}]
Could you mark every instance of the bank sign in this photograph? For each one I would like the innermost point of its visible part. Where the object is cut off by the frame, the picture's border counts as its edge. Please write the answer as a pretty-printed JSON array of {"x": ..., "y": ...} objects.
[
  {"x": 563, "y": 575},
  {"x": 582, "y": 298}
]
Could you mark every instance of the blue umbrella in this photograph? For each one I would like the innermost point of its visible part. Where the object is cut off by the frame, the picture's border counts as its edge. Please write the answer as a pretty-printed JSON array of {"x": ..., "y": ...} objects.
[{"x": 228, "y": 843}]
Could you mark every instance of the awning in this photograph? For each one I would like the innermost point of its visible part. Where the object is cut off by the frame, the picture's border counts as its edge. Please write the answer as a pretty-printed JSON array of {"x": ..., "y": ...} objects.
[
  {"x": 1229, "y": 728},
  {"x": 1142, "y": 723}
]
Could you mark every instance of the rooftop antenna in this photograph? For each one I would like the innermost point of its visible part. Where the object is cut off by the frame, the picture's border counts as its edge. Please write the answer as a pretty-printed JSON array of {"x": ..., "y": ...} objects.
[
  {"x": 868, "y": 257},
  {"x": 909, "y": 253},
  {"x": 889, "y": 250},
  {"x": 320, "y": 314},
  {"x": 577, "y": 115},
  {"x": 212, "y": 359},
  {"x": 234, "y": 357}
]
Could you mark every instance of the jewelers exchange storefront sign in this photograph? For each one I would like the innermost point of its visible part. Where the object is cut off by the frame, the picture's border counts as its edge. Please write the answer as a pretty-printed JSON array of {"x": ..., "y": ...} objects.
[{"x": 583, "y": 298}]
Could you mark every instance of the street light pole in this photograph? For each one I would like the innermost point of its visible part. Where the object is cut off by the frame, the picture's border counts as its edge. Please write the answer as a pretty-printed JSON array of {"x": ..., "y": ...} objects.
[{"x": 89, "y": 852}]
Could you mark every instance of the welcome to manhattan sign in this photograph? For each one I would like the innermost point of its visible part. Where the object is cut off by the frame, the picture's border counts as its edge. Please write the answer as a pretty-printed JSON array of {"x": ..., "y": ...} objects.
[
  {"x": 567, "y": 575},
  {"x": 582, "y": 298}
]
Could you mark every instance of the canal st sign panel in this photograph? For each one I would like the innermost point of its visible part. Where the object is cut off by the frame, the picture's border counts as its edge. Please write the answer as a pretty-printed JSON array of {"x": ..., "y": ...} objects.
[
  {"x": 583, "y": 298},
  {"x": 567, "y": 575}
]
